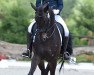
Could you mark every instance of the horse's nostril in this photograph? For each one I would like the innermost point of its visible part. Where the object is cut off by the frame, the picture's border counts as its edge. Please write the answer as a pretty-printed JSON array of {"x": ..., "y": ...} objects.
[{"x": 44, "y": 39}]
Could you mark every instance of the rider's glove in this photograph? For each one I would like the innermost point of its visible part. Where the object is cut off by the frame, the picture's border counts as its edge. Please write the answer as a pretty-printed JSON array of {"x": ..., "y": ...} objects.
[{"x": 56, "y": 11}]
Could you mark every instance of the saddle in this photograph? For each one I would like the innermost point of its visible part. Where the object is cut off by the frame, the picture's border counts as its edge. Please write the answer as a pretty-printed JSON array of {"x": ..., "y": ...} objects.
[
  {"x": 61, "y": 29},
  {"x": 59, "y": 26}
]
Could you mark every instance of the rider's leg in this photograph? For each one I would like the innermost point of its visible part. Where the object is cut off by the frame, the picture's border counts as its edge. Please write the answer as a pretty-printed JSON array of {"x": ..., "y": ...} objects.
[
  {"x": 29, "y": 47},
  {"x": 29, "y": 41},
  {"x": 70, "y": 46},
  {"x": 66, "y": 36}
]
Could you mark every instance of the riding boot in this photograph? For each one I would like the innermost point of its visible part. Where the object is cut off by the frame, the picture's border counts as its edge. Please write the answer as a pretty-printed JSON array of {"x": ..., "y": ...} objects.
[
  {"x": 70, "y": 45},
  {"x": 65, "y": 54},
  {"x": 28, "y": 53}
]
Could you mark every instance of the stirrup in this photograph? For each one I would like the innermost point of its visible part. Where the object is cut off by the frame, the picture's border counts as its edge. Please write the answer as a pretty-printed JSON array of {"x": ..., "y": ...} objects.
[
  {"x": 23, "y": 55},
  {"x": 26, "y": 54},
  {"x": 66, "y": 56},
  {"x": 67, "y": 53}
]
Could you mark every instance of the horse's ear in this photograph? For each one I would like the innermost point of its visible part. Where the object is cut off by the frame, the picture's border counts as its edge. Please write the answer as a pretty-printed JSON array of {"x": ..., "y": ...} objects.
[
  {"x": 45, "y": 7},
  {"x": 33, "y": 6}
]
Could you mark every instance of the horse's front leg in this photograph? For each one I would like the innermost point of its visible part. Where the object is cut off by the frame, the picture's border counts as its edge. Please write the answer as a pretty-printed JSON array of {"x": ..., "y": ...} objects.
[
  {"x": 52, "y": 67},
  {"x": 42, "y": 67},
  {"x": 34, "y": 63},
  {"x": 47, "y": 69}
]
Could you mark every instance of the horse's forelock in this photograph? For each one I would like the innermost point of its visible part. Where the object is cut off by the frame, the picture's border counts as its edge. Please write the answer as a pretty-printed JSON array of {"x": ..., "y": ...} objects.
[
  {"x": 43, "y": 8},
  {"x": 41, "y": 16}
]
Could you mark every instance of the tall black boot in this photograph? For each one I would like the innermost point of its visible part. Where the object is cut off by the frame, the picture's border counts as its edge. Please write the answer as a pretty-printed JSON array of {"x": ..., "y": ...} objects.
[
  {"x": 28, "y": 53},
  {"x": 64, "y": 47},
  {"x": 70, "y": 45}
]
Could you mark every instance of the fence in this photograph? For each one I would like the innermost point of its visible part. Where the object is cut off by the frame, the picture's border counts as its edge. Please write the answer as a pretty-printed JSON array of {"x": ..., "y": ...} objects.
[{"x": 89, "y": 40}]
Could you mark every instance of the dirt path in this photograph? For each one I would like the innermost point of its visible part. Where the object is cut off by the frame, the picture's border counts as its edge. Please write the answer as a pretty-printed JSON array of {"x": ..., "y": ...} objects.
[
  {"x": 15, "y": 50},
  {"x": 12, "y": 50}
]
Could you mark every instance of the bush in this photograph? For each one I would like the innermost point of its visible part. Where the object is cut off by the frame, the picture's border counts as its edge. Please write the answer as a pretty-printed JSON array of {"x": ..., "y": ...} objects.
[
  {"x": 13, "y": 27},
  {"x": 85, "y": 57}
]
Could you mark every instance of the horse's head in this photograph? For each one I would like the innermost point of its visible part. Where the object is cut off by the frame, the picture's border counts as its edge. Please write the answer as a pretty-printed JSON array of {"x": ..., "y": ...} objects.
[
  {"x": 44, "y": 23},
  {"x": 41, "y": 15}
]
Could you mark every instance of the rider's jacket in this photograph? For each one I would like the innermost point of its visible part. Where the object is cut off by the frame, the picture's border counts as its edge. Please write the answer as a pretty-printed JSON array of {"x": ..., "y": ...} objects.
[{"x": 55, "y": 4}]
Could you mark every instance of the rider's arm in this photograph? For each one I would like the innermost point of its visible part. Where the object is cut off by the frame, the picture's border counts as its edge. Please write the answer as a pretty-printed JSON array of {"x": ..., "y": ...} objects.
[
  {"x": 38, "y": 3},
  {"x": 60, "y": 5}
]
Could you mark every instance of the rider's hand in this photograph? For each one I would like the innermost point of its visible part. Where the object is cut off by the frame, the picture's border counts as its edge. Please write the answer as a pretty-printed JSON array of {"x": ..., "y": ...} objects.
[{"x": 56, "y": 11}]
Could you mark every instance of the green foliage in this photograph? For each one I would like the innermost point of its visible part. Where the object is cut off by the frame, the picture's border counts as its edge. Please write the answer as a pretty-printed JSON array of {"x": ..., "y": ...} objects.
[
  {"x": 67, "y": 8},
  {"x": 24, "y": 59},
  {"x": 16, "y": 19},
  {"x": 85, "y": 57},
  {"x": 85, "y": 17},
  {"x": 15, "y": 16},
  {"x": 80, "y": 21}
]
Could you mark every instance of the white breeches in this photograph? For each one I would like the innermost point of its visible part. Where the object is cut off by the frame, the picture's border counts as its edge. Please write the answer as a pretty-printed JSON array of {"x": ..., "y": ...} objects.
[
  {"x": 58, "y": 19},
  {"x": 61, "y": 21},
  {"x": 31, "y": 25}
]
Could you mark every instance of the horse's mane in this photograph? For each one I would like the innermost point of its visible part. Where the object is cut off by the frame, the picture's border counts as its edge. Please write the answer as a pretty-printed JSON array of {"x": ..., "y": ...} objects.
[{"x": 52, "y": 16}]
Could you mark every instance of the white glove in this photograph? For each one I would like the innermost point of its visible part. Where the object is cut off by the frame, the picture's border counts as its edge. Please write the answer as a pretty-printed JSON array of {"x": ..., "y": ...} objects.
[{"x": 56, "y": 11}]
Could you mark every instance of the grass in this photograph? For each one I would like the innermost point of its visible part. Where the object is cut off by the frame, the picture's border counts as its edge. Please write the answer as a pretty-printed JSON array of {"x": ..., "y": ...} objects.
[
  {"x": 85, "y": 57},
  {"x": 24, "y": 59}
]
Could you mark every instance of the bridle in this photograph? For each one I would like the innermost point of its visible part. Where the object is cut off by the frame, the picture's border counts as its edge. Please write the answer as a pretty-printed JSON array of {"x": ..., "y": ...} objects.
[{"x": 45, "y": 31}]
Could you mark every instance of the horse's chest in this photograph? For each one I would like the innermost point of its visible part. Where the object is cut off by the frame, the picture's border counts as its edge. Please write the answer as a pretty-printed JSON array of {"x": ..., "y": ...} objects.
[
  {"x": 47, "y": 50},
  {"x": 47, "y": 47}
]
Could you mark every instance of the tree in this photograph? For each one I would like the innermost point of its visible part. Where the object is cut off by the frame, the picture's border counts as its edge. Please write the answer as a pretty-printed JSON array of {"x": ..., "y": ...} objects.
[
  {"x": 16, "y": 19},
  {"x": 85, "y": 17},
  {"x": 67, "y": 8}
]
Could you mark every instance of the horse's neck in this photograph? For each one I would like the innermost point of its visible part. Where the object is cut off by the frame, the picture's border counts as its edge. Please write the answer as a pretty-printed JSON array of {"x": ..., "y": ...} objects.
[{"x": 52, "y": 17}]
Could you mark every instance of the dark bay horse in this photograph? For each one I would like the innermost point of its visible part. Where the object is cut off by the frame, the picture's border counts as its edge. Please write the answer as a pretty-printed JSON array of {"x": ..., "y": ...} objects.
[{"x": 46, "y": 41}]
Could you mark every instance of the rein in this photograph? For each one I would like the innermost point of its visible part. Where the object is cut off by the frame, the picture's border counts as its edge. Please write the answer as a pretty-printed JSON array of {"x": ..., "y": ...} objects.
[
  {"x": 51, "y": 33},
  {"x": 45, "y": 32},
  {"x": 48, "y": 29}
]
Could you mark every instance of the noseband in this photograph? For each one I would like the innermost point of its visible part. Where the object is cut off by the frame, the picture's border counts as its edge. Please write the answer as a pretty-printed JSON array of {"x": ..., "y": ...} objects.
[{"x": 45, "y": 32}]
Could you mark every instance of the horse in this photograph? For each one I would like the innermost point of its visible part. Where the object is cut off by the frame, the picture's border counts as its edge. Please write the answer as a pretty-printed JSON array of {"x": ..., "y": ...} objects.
[{"x": 46, "y": 41}]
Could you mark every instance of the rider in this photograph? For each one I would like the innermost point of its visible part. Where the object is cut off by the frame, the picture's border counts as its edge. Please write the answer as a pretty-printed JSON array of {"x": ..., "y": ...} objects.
[{"x": 57, "y": 6}]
